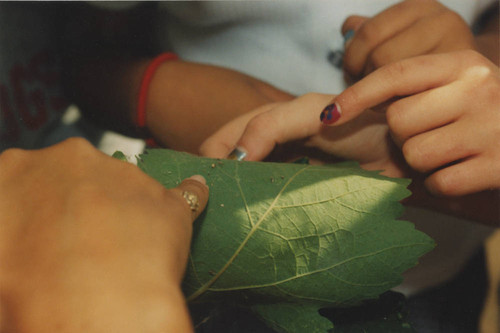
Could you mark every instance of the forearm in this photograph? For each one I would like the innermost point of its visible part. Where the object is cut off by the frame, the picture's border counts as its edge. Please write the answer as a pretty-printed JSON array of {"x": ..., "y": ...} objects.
[
  {"x": 105, "y": 58},
  {"x": 186, "y": 101}
]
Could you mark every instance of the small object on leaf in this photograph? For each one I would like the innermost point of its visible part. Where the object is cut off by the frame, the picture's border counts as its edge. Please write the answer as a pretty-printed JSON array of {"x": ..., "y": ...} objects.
[{"x": 328, "y": 236}]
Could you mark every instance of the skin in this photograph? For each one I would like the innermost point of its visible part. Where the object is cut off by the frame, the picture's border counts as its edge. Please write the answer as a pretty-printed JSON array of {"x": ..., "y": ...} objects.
[
  {"x": 187, "y": 101},
  {"x": 446, "y": 111},
  {"x": 384, "y": 42},
  {"x": 94, "y": 285},
  {"x": 183, "y": 98},
  {"x": 82, "y": 250},
  {"x": 442, "y": 114},
  {"x": 104, "y": 79},
  {"x": 412, "y": 28},
  {"x": 297, "y": 122}
]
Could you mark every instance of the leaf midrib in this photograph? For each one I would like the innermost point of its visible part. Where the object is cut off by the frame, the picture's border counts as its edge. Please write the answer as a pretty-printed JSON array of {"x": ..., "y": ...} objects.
[{"x": 207, "y": 285}]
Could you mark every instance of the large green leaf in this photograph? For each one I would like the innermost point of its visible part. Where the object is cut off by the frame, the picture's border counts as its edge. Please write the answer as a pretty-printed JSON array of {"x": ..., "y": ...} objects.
[{"x": 295, "y": 234}]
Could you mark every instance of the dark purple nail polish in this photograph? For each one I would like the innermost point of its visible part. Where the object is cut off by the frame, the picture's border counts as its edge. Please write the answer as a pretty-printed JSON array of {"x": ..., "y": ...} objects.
[{"x": 330, "y": 114}]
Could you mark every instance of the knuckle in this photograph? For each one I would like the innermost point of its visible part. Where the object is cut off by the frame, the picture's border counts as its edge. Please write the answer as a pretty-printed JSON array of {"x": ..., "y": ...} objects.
[
  {"x": 13, "y": 160},
  {"x": 350, "y": 65},
  {"x": 396, "y": 117},
  {"x": 262, "y": 123},
  {"x": 12, "y": 155},
  {"x": 380, "y": 57},
  {"x": 80, "y": 144},
  {"x": 415, "y": 155},
  {"x": 425, "y": 6},
  {"x": 471, "y": 57},
  {"x": 369, "y": 33},
  {"x": 81, "y": 151},
  {"x": 444, "y": 183},
  {"x": 451, "y": 18},
  {"x": 349, "y": 21}
]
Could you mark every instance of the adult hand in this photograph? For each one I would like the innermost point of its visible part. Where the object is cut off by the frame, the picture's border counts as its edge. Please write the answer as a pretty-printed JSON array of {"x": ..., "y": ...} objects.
[
  {"x": 365, "y": 139},
  {"x": 407, "y": 29},
  {"x": 443, "y": 113},
  {"x": 91, "y": 244}
]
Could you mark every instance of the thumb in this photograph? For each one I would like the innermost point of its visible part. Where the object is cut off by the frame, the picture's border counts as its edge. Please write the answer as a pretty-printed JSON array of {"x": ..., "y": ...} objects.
[
  {"x": 194, "y": 192},
  {"x": 222, "y": 142}
]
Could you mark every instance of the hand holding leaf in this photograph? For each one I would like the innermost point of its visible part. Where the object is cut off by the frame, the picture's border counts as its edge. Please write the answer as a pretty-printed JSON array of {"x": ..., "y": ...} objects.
[{"x": 281, "y": 237}]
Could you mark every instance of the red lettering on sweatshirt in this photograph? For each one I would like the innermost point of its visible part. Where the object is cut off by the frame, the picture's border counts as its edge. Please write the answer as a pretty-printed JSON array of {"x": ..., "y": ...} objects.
[
  {"x": 29, "y": 89},
  {"x": 11, "y": 133},
  {"x": 33, "y": 117}
]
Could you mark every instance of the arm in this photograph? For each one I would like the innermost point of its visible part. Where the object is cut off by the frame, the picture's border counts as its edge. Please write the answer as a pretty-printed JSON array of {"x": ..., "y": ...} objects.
[
  {"x": 186, "y": 102},
  {"x": 440, "y": 128},
  {"x": 91, "y": 244}
]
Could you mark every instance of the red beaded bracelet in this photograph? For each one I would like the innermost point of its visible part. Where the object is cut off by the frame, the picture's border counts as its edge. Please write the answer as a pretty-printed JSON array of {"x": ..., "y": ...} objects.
[{"x": 146, "y": 81}]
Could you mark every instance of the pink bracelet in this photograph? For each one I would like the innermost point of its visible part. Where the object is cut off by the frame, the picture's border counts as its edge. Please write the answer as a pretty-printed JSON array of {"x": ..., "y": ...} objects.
[{"x": 146, "y": 81}]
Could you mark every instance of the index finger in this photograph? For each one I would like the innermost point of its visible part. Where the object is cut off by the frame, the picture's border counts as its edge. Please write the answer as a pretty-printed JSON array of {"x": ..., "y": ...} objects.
[{"x": 403, "y": 78}]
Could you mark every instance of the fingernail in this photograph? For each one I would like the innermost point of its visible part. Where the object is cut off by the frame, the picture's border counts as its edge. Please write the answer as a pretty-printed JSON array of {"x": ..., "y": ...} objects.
[
  {"x": 330, "y": 114},
  {"x": 348, "y": 35},
  {"x": 237, "y": 154},
  {"x": 199, "y": 178}
]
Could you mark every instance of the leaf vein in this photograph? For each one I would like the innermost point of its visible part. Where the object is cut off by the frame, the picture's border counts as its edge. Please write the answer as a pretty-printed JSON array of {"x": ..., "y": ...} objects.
[
  {"x": 318, "y": 270},
  {"x": 207, "y": 285}
]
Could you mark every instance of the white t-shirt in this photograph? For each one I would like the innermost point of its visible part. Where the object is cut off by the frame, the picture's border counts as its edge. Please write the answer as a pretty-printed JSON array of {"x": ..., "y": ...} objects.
[
  {"x": 31, "y": 100},
  {"x": 286, "y": 43}
]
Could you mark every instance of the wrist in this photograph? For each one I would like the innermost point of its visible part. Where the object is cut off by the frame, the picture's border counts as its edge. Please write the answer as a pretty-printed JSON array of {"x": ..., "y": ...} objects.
[{"x": 141, "y": 111}]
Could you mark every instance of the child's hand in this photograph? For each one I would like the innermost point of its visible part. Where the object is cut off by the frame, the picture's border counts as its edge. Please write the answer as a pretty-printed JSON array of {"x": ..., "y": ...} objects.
[
  {"x": 188, "y": 102},
  {"x": 366, "y": 139},
  {"x": 405, "y": 30},
  {"x": 446, "y": 117}
]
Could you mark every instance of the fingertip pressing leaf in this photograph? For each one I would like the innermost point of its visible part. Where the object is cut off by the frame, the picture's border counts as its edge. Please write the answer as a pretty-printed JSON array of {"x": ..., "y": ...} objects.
[{"x": 296, "y": 235}]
